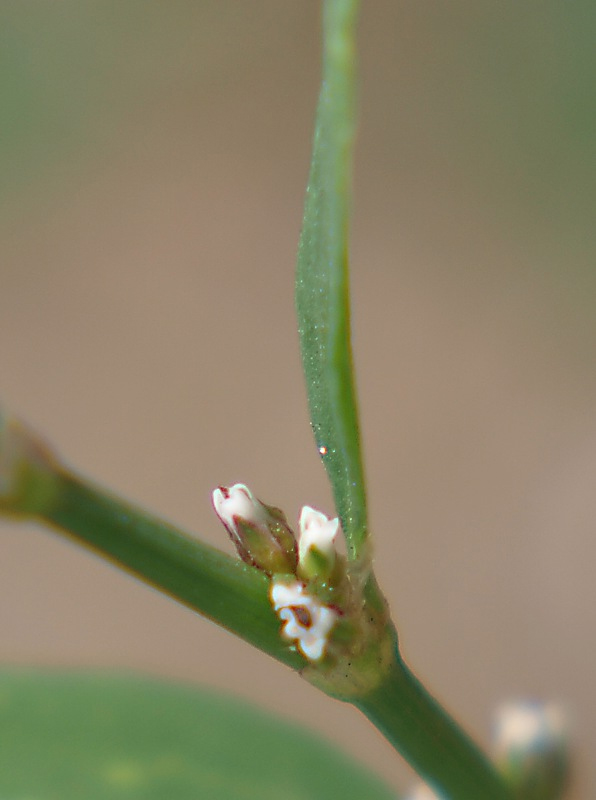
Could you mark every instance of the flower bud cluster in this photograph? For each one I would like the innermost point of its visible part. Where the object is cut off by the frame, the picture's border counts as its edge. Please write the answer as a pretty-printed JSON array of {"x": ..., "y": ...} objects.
[{"x": 304, "y": 572}]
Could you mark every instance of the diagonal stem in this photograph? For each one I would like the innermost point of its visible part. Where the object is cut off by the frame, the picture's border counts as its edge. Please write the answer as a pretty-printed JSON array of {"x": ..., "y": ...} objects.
[
  {"x": 429, "y": 739},
  {"x": 222, "y": 588}
]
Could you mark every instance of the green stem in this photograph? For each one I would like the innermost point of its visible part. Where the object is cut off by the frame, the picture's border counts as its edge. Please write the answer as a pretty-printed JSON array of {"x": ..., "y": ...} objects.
[
  {"x": 222, "y": 588},
  {"x": 429, "y": 739},
  {"x": 34, "y": 484}
]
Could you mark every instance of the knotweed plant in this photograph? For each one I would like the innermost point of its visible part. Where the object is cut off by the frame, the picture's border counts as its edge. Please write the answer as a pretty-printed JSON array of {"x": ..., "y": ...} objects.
[{"x": 292, "y": 591}]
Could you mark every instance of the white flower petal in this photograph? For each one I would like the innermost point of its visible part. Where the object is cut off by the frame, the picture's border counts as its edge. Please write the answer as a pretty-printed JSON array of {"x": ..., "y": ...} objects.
[
  {"x": 317, "y": 530},
  {"x": 237, "y": 502},
  {"x": 306, "y": 620},
  {"x": 284, "y": 594}
]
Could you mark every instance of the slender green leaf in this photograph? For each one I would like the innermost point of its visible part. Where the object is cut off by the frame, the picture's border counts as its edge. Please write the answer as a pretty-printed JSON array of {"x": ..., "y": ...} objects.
[
  {"x": 94, "y": 737},
  {"x": 322, "y": 290}
]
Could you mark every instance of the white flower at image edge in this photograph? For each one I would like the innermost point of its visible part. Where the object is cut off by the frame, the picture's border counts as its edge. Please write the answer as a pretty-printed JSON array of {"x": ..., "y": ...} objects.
[
  {"x": 524, "y": 725},
  {"x": 305, "y": 619}
]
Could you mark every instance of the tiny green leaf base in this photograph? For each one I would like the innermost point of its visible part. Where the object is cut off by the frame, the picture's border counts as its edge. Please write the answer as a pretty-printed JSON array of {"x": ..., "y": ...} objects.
[{"x": 73, "y": 736}]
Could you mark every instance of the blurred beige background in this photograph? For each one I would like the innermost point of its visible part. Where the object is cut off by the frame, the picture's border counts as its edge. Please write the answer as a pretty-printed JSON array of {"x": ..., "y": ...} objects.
[{"x": 153, "y": 158}]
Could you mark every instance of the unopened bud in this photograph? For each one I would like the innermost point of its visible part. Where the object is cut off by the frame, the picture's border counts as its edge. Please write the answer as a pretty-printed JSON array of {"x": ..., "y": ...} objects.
[
  {"x": 531, "y": 748},
  {"x": 259, "y": 532},
  {"x": 316, "y": 546}
]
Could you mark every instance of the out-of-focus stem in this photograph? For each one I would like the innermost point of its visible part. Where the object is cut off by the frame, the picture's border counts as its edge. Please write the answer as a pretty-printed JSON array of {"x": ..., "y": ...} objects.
[{"x": 429, "y": 739}]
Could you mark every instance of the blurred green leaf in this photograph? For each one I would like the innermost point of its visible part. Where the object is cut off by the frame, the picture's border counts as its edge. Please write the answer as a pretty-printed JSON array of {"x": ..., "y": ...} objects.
[
  {"x": 322, "y": 289},
  {"x": 72, "y": 736}
]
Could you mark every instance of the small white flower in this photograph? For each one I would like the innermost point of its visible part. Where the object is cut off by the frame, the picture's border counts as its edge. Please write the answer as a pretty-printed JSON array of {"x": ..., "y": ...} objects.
[
  {"x": 238, "y": 502},
  {"x": 318, "y": 531},
  {"x": 305, "y": 619}
]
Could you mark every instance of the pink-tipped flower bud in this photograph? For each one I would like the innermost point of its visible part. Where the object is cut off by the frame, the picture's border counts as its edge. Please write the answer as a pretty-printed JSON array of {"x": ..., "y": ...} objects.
[
  {"x": 316, "y": 546},
  {"x": 259, "y": 532}
]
